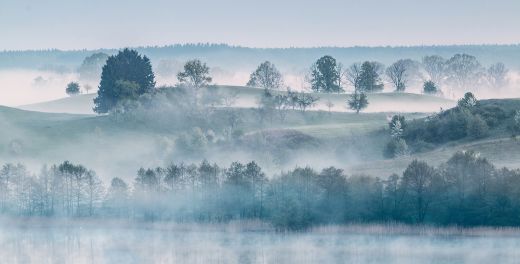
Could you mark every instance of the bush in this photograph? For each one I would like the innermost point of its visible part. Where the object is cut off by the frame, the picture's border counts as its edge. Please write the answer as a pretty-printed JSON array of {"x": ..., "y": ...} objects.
[
  {"x": 430, "y": 87},
  {"x": 477, "y": 128},
  {"x": 395, "y": 148}
]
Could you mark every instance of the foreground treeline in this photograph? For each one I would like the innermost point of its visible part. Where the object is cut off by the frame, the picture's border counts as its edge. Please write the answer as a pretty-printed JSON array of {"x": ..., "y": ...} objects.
[{"x": 466, "y": 190}]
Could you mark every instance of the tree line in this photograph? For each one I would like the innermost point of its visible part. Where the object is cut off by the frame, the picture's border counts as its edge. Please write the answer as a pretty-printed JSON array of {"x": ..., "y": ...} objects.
[
  {"x": 467, "y": 190},
  {"x": 128, "y": 75}
]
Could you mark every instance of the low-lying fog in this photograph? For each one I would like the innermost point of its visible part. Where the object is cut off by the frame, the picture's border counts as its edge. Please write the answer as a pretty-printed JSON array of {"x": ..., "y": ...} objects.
[
  {"x": 23, "y": 87},
  {"x": 117, "y": 242}
]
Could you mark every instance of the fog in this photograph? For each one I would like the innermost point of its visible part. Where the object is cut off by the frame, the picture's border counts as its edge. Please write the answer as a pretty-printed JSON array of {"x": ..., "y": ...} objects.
[
  {"x": 19, "y": 87},
  {"x": 121, "y": 242}
]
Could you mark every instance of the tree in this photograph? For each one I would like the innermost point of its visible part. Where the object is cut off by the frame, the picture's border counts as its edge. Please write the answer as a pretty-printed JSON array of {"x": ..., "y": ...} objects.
[
  {"x": 329, "y": 105},
  {"x": 468, "y": 101},
  {"x": 400, "y": 73},
  {"x": 358, "y": 101},
  {"x": 117, "y": 197},
  {"x": 87, "y": 88},
  {"x": 497, "y": 75},
  {"x": 429, "y": 87},
  {"x": 90, "y": 69},
  {"x": 195, "y": 74},
  {"x": 369, "y": 77},
  {"x": 72, "y": 88},
  {"x": 326, "y": 75},
  {"x": 435, "y": 66},
  {"x": 306, "y": 100},
  {"x": 266, "y": 76},
  {"x": 353, "y": 74},
  {"x": 94, "y": 190},
  {"x": 418, "y": 181},
  {"x": 463, "y": 70},
  {"x": 127, "y": 66}
]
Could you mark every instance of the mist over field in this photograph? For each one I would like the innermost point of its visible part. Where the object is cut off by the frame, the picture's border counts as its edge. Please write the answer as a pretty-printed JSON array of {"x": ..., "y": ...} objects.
[{"x": 259, "y": 132}]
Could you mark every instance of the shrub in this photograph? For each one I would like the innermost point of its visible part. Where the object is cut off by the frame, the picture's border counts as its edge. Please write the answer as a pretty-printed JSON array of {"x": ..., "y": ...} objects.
[
  {"x": 395, "y": 148},
  {"x": 477, "y": 127},
  {"x": 430, "y": 87}
]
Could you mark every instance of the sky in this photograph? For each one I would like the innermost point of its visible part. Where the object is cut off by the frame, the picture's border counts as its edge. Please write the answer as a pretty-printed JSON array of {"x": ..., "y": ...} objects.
[{"x": 91, "y": 24}]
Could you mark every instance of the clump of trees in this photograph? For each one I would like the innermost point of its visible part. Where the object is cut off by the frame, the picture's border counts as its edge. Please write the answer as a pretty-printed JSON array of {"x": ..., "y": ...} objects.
[
  {"x": 470, "y": 119},
  {"x": 467, "y": 190},
  {"x": 271, "y": 102},
  {"x": 464, "y": 72}
]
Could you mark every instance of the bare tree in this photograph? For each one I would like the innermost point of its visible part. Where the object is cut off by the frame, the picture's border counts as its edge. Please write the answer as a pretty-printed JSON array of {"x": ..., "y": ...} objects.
[
  {"x": 497, "y": 75},
  {"x": 397, "y": 75},
  {"x": 352, "y": 75},
  {"x": 435, "y": 66},
  {"x": 266, "y": 76},
  {"x": 464, "y": 70}
]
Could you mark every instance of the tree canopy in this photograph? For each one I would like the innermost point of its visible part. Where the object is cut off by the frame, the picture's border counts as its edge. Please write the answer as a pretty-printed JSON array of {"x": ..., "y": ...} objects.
[
  {"x": 72, "y": 88},
  {"x": 369, "y": 77},
  {"x": 326, "y": 75},
  {"x": 266, "y": 76},
  {"x": 127, "y": 66},
  {"x": 195, "y": 74}
]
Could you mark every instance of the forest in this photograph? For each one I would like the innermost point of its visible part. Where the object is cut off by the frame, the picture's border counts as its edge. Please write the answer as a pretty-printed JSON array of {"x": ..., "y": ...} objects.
[{"x": 467, "y": 190}]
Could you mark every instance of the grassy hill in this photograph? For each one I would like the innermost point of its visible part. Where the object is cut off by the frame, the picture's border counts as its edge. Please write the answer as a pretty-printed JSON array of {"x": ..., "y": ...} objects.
[
  {"x": 248, "y": 97},
  {"x": 80, "y": 104},
  {"x": 112, "y": 147}
]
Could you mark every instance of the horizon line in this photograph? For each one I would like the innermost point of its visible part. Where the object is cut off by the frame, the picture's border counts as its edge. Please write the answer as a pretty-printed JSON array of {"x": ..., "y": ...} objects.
[{"x": 262, "y": 48}]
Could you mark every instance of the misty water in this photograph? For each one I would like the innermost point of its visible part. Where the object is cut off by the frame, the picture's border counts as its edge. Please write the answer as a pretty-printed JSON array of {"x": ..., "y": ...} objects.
[{"x": 114, "y": 242}]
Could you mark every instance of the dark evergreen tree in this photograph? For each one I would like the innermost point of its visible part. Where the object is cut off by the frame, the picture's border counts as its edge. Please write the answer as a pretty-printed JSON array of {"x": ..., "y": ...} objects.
[
  {"x": 326, "y": 75},
  {"x": 127, "y": 66},
  {"x": 369, "y": 78}
]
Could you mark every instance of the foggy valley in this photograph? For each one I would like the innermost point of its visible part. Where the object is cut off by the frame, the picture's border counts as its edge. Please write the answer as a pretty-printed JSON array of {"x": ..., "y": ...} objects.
[{"x": 168, "y": 132}]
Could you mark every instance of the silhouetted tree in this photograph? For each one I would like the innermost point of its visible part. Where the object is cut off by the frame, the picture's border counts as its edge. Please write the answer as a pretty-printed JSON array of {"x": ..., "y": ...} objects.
[
  {"x": 369, "y": 77},
  {"x": 429, "y": 87},
  {"x": 326, "y": 75},
  {"x": 358, "y": 101},
  {"x": 195, "y": 74},
  {"x": 266, "y": 76},
  {"x": 435, "y": 66},
  {"x": 72, "y": 89},
  {"x": 124, "y": 68}
]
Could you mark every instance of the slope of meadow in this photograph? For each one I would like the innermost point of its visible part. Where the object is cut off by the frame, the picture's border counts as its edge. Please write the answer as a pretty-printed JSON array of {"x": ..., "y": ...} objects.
[{"x": 248, "y": 97}]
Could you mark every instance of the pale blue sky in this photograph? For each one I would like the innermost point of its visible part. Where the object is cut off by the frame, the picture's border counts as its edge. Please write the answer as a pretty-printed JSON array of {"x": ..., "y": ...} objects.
[{"x": 78, "y": 24}]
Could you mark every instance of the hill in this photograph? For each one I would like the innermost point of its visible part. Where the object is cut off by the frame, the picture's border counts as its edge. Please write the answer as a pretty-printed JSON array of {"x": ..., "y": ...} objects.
[
  {"x": 248, "y": 97},
  {"x": 80, "y": 104}
]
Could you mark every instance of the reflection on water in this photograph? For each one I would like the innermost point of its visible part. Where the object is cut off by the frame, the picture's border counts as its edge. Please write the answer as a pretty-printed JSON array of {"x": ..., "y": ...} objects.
[{"x": 92, "y": 243}]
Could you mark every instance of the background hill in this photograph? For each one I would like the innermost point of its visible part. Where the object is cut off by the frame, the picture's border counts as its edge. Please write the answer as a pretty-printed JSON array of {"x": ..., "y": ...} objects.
[{"x": 239, "y": 58}]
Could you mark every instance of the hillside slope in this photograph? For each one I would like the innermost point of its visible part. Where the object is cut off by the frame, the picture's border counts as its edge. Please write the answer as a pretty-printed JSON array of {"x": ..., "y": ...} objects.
[
  {"x": 80, "y": 104},
  {"x": 248, "y": 97}
]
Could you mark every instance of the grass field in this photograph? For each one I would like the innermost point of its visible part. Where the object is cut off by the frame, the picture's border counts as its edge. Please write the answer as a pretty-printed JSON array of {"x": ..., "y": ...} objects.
[
  {"x": 79, "y": 137},
  {"x": 248, "y": 97}
]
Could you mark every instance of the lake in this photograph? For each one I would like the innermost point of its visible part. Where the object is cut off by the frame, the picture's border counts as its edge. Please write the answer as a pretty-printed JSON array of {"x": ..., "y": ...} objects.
[{"x": 82, "y": 241}]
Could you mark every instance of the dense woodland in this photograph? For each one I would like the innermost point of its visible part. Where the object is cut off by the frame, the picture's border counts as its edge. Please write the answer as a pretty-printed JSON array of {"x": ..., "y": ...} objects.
[{"x": 467, "y": 190}]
